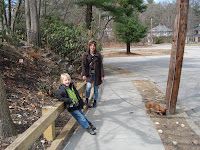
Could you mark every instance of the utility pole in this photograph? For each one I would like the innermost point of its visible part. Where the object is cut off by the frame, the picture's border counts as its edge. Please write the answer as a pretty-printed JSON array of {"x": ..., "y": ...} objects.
[
  {"x": 151, "y": 32},
  {"x": 177, "y": 52}
]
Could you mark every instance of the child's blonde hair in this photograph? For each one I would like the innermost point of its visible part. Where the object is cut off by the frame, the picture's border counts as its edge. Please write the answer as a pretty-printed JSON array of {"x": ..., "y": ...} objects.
[{"x": 64, "y": 75}]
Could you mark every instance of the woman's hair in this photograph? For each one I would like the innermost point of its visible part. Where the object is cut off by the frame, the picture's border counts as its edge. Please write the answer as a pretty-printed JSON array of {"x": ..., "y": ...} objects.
[
  {"x": 64, "y": 75},
  {"x": 91, "y": 42}
]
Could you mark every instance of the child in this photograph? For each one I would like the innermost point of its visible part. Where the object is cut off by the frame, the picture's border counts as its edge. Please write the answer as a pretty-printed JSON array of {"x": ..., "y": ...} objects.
[{"x": 73, "y": 102}]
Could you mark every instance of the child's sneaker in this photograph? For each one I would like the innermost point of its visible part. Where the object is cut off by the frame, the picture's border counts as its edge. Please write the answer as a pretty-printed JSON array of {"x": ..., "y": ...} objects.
[
  {"x": 86, "y": 101},
  {"x": 91, "y": 131}
]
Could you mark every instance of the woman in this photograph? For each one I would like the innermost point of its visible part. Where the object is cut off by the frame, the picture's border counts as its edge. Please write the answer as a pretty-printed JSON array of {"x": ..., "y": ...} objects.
[{"x": 92, "y": 70}]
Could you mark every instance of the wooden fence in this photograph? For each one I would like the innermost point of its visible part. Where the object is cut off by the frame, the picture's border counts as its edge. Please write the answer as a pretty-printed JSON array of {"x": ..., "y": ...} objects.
[{"x": 46, "y": 125}]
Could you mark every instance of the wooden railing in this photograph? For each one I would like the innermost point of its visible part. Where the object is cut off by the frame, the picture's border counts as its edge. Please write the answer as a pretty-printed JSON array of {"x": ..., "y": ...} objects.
[{"x": 46, "y": 122}]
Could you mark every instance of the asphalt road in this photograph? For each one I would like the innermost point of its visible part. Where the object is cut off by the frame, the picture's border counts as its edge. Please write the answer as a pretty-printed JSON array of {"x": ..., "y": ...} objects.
[{"x": 155, "y": 69}]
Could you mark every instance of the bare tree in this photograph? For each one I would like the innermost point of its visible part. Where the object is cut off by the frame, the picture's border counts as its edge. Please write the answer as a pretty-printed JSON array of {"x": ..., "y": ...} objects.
[
  {"x": 28, "y": 20},
  {"x": 34, "y": 22},
  {"x": 3, "y": 17},
  {"x": 164, "y": 13},
  {"x": 38, "y": 7},
  {"x": 88, "y": 18},
  {"x": 65, "y": 9},
  {"x": 9, "y": 13},
  {"x": 15, "y": 15},
  {"x": 153, "y": 11},
  {"x": 1, "y": 21},
  {"x": 194, "y": 14},
  {"x": 7, "y": 127},
  {"x": 150, "y": 1},
  {"x": 168, "y": 15}
]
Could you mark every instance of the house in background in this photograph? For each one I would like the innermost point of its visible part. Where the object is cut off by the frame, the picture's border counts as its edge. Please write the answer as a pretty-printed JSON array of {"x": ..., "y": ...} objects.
[
  {"x": 160, "y": 30},
  {"x": 194, "y": 38}
]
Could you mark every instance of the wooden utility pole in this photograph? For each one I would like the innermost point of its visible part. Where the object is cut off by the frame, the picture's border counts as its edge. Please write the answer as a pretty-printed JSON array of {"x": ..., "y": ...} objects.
[
  {"x": 177, "y": 52},
  {"x": 151, "y": 32}
]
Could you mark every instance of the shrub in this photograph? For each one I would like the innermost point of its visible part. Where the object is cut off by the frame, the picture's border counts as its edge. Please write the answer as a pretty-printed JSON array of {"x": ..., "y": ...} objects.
[
  {"x": 65, "y": 39},
  {"x": 10, "y": 38},
  {"x": 162, "y": 39}
]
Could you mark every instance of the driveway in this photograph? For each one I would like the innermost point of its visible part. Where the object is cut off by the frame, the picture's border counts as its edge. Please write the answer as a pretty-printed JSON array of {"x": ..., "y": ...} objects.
[{"x": 155, "y": 69}]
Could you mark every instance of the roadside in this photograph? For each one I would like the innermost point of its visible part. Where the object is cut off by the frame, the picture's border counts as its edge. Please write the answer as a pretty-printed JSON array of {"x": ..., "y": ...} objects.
[
  {"x": 174, "y": 130},
  {"x": 146, "y": 52}
]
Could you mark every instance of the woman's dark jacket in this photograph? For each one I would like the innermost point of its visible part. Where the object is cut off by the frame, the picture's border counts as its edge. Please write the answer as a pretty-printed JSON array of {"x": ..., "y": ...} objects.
[
  {"x": 62, "y": 95},
  {"x": 97, "y": 65}
]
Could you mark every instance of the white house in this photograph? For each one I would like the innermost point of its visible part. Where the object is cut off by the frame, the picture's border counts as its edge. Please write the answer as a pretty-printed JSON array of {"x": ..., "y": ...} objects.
[
  {"x": 160, "y": 30},
  {"x": 194, "y": 37}
]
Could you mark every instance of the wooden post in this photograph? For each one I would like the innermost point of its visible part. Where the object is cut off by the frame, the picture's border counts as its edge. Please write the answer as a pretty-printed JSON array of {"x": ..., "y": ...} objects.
[
  {"x": 49, "y": 134},
  {"x": 177, "y": 52},
  {"x": 78, "y": 85}
]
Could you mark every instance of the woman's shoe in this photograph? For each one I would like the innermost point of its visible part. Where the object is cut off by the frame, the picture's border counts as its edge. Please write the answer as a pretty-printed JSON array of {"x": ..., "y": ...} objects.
[
  {"x": 93, "y": 127},
  {"x": 95, "y": 103}
]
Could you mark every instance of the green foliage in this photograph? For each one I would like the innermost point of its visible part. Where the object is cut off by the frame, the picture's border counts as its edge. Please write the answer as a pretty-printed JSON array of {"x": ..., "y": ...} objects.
[
  {"x": 5, "y": 34},
  {"x": 115, "y": 6},
  {"x": 158, "y": 40},
  {"x": 162, "y": 39},
  {"x": 63, "y": 38},
  {"x": 10, "y": 38},
  {"x": 21, "y": 34},
  {"x": 130, "y": 30}
]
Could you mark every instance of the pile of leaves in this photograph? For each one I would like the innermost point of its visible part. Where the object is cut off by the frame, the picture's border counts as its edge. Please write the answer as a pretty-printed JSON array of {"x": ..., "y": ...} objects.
[{"x": 30, "y": 84}]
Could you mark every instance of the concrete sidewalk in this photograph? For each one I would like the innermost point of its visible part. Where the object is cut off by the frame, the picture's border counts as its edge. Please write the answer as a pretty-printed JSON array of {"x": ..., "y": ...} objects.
[{"x": 120, "y": 125}]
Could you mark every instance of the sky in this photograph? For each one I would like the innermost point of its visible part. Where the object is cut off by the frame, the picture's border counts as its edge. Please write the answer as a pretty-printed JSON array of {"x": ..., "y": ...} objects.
[{"x": 157, "y": 1}]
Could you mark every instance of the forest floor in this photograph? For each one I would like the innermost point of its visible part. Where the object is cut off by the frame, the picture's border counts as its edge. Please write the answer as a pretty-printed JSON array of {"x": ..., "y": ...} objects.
[{"x": 31, "y": 85}]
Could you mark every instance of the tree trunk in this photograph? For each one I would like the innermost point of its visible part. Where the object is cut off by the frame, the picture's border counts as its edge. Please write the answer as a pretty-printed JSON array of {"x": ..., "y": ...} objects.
[
  {"x": 3, "y": 17},
  {"x": 28, "y": 20},
  {"x": 9, "y": 13},
  {"x": 7, "y": 127},
  {"x": 34, "y": 23},
  {"x": 38, "y": 7},
  {"x": 45, "y": 8},
  {"x": 128, "y": 47},
  {"x": 89, "y": 16},
  {"x": 15, "y": 15},
  {"x": 1, "y": 20}
]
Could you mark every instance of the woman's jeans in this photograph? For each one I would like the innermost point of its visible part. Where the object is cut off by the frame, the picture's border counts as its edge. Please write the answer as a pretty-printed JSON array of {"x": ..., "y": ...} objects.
[
  {"x": 88, "y": 89},
  {"x": 81, "y": 118}
]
